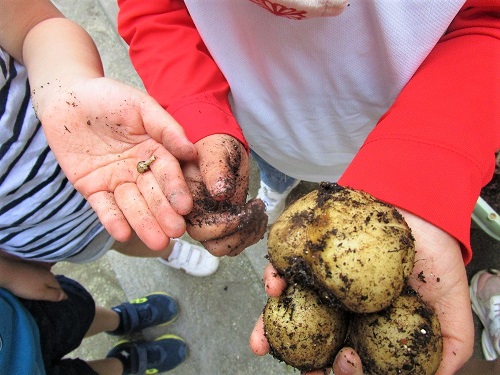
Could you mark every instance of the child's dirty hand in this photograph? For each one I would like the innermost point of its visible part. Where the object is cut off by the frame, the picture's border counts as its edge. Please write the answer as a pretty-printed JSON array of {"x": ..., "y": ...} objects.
[{"x": 221, "y": 218}]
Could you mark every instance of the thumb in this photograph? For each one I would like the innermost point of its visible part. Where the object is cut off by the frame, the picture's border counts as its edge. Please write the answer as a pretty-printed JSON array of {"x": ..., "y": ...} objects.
[
  {"x": 162, "y": 127},
  {"x": 347, "y": 362},
  {"x": 224, "y": 165}
]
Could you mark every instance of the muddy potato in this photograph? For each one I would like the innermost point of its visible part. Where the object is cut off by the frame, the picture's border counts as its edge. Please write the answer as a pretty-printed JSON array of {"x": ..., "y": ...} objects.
[
  {"x": 402, "y": 339},
  {"x": 301, "y": 330},
  {"x": 288, "y": 236},
  {"x": 353, "y": 246}
]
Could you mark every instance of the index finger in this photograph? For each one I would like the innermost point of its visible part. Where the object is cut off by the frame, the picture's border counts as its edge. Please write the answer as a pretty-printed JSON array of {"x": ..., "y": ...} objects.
[{"x": 162, "y": 127}]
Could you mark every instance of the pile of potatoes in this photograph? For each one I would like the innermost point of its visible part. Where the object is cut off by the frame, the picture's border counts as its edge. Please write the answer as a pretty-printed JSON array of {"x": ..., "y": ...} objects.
[{"x": 347, "y": 257}]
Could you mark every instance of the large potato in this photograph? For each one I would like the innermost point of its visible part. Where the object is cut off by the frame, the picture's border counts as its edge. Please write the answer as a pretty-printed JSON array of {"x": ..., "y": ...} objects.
[
  {"x": 402, "y": 339},
  {"x": 302, "y": 331},
  {"x": 353, "y": 246}
]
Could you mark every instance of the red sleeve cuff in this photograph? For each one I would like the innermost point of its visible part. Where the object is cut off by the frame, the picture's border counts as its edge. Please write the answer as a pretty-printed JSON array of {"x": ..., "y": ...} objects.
[
  {"x": 434, "y": 150},
  {"x": 398, "y": 177}
]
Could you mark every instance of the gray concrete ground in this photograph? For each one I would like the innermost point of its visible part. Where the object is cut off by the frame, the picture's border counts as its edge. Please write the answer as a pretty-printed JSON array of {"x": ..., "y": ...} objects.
[{"x": 217, "y": 312}]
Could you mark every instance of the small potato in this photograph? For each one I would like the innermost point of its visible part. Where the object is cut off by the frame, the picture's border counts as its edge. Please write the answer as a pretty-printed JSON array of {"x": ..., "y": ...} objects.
[
  {"x": 288, "y": 235},
  {"x": 346, "y": 243},
  {"x": 403, "y": 339},
  {"x": 302, "y": 331}
]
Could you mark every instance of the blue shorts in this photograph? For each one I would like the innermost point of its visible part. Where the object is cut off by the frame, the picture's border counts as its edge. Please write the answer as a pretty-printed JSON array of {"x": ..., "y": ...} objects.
[{"x": 63, "y": 326}]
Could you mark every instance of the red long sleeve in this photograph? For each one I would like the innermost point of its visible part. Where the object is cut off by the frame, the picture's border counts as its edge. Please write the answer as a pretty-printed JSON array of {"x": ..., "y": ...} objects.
[
  {"x": 433, "y": 151},
  {"x": 434, "y": 145},
  {"x": 176, "y": 67}
]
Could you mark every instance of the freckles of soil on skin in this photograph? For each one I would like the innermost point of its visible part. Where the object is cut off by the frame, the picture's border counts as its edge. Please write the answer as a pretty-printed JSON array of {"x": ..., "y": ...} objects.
[
  {"x": 234, "y": 156},
  {"x": 205, "y": 205},
  {"x": 232, "y": 160}
]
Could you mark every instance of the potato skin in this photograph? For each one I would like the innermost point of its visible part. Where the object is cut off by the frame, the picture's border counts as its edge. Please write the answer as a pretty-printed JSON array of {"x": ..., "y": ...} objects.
[
  {"x": 403, "y": 339},
  {"x": 347, "y": 243},
  {"x": 302, "y": 331},
  {"x": 288, "y": 236}
]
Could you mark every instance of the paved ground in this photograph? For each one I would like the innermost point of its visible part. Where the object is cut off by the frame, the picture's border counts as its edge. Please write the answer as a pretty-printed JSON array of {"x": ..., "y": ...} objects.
[{"x": 218, "y": 312}]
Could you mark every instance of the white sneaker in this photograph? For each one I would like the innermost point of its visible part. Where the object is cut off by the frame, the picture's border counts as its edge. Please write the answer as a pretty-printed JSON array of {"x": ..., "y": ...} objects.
[
  {"x": 275, "y": 202},
  {"x": 194, "y": 260},
  {"x": 485, "y": 298}
]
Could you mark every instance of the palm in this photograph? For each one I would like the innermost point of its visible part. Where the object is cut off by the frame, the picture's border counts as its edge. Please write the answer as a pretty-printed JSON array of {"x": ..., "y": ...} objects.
[
  {"x": 99, "y": 130},
  {"x": 439, "y": 276}
]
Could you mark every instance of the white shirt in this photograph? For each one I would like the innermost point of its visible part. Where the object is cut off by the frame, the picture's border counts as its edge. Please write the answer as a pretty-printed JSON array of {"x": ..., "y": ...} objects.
[{"x": 307, "y": 92}]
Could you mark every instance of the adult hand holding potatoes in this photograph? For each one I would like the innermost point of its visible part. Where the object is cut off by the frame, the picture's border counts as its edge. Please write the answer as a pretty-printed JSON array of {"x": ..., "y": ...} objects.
[
  {"x": 439, "y": 277},
  {"x": 221, "y": 218}
]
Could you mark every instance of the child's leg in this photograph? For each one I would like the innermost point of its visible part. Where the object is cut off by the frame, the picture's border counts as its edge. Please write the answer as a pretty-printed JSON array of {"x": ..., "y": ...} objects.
[
  {"x": 278, "y": 181},
  {"x": 107, "y": 366},
  {"x": 104, "y": 320},
  {"x": 62, "y": 326}
]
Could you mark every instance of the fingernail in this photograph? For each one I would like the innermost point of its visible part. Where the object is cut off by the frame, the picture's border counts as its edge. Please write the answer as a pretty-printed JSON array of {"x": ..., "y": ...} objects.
[{"x": 347, "y": 367}]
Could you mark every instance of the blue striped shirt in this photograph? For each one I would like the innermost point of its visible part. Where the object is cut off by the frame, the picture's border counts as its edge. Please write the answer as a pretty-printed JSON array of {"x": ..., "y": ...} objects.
[{"x": 42, "y": 217}]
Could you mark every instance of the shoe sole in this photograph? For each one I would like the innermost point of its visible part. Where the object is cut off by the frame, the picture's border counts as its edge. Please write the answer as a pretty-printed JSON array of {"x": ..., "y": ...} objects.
[{"x": 486, "y": 343}]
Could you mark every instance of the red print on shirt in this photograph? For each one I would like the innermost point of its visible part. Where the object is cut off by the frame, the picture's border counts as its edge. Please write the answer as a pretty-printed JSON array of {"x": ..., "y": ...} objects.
[{"x": 281, "y": 10}]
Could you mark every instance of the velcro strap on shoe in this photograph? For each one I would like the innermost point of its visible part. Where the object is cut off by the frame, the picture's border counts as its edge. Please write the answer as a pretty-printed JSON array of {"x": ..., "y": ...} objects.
[
  {"x": 129, "y": 317},
  {"x": 142, "y": 357}
]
